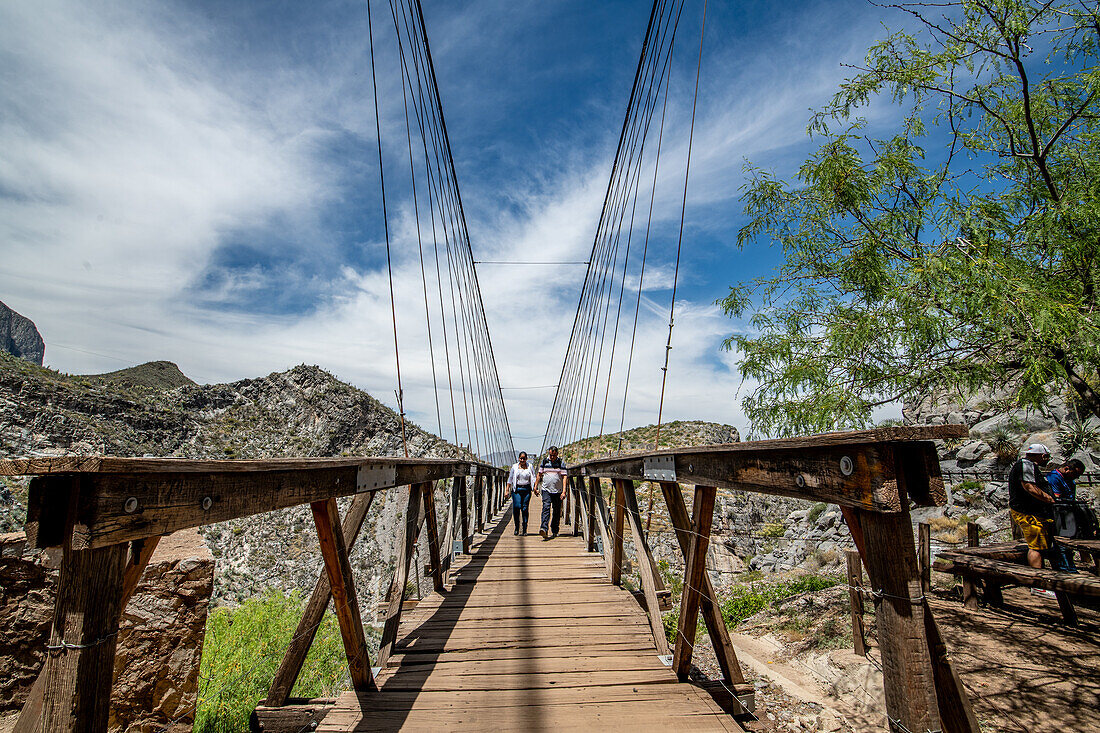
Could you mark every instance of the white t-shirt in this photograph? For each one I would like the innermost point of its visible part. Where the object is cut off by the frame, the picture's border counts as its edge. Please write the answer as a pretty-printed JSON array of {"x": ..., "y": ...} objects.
[{"x": 521, "y": 478}]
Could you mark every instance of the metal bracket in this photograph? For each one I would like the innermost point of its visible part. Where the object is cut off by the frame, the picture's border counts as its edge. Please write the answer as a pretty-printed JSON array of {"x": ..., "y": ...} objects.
[
  {"x": 659, "y": 468},
  {"x": 473, "y": 469},
  {"x": 371, "y": 476},
  {"x": 666, "y": 659}
]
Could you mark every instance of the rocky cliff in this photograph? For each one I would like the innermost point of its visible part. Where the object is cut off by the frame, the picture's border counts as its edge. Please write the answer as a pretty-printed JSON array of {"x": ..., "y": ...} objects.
[{"x": 19, "y": 337}]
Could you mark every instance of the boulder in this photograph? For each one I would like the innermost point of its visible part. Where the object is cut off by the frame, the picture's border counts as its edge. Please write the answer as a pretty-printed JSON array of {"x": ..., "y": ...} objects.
[
  {"x": 973, "y": 450},
  {"x": 19, "y": 337}
]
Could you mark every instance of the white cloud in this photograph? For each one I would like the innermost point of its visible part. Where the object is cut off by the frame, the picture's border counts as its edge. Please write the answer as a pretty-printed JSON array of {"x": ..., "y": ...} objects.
[{"x": 127, "y": 159}]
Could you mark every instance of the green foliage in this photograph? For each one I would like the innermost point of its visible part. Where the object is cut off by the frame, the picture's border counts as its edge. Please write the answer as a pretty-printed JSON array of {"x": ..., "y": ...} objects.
[
  {"x": 773, "y": 529},
  {"x": 243, "y": 648},
  {"x": 816, "y": 511},
  {"x": 748, "y": 600},
  {"x": 969, "y": 487},
  {"x": 973, "y": 267},
  {"x": 674, "y": 582},
  {"x": 671, "y": 620}
]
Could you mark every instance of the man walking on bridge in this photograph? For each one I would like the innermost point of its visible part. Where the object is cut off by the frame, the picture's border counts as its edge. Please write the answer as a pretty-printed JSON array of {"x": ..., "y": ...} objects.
[{"x": 551, "y": 479}]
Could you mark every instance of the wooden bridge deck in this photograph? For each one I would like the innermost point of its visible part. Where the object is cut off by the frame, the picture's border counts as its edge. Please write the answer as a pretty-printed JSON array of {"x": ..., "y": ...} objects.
[{"x": 530, "y": 636}]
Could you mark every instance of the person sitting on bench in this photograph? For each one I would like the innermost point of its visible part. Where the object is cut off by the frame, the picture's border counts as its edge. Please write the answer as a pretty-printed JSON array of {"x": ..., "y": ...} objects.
[{"x": 1030, "y": 502}]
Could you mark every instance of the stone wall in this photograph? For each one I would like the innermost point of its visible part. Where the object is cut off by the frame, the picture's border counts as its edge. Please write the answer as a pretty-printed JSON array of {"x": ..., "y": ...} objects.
[{"x": 159, "y": 640}]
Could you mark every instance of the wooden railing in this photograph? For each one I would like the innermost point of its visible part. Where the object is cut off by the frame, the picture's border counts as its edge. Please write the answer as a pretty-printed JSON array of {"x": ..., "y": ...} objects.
[
  {"x": 107, "y": 514},
  {"x": 873, "y": 475}
]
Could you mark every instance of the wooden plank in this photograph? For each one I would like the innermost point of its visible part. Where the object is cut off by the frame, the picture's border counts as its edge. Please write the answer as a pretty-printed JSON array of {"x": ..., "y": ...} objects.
[
  {"x": 405, "y": 545},
  {"x": 694, "y": 572},
  {"x": 855, "y": 600},
  {"x": 326, "y": 517},
  {"x": 712, "y": 614},
  {"x": 47, "y": 465},
  {"x": 651, "y": 578},
  {"x": 314, "y": 612},
  {"x": 891, "y": 562},
  {"x": 167, "y": 502},
  {"x": 293, "y": 718},
  {"x": 428, "y": 500},
  {"x": 959, "y": 563},
  {"x": 81, "y": 654},
  {"x": 955, "y": 709}
]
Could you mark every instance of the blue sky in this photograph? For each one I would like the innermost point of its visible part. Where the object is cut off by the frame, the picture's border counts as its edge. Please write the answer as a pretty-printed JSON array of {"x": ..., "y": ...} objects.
[{"x": 198, "y": 181}]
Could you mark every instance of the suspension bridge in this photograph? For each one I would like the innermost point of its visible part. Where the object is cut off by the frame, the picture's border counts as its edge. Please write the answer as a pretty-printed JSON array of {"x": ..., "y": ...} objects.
[{"x": 519, "y": 633}]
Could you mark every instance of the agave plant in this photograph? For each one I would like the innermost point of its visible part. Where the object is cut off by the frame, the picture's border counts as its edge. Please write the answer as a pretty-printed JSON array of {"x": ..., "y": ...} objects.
[
  {"x": 1003, "y": 444},
  {"x": 1076, "y": 435}
]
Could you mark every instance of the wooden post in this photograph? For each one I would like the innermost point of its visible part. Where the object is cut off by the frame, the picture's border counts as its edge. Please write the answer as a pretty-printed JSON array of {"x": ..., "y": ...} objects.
[
  {"x": 291, "y": 666},
  {"x": 405, "y": 545},
  {"x": 578, "y": 492},
  {"x": 428, "y": 499},
  {"x": 694, "y": 574},
  {"x": 599, "y": 509},
  {"x": 479, "y": 503},
  {"x": 327, "y": 518},
  {"x": 651, "y": 576},
  {"x": 712, "y": 614},
  {"x": 924, "y": 556},
  {"x": 463, "y": 519},
  {"x": 855, "y": 599},
  {"x": 970, "y": 596},
  {"x": 617, "y": 549},
  {"x": 590, "y": 505},
  {"x": 890, "y": 558}
]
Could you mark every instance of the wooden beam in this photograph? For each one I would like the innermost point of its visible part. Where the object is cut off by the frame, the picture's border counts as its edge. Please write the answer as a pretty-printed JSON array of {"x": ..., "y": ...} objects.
[
  {"x": 651, "y": 577},
  {"x": 301, "y": 715},
  {"x": 956, "y": 711},
  {"x": 118, "y": 507},
  {"x": 578, "y": 528},
  {"x": 891, "y": 562},
  {"x": 327, "y": 519},
  {"x": 694, "y": 572},
  {"x": 405, "y": 546},
  {"x": 854, "y": 469},
  {"x": 291, "y": 666},
  {"x": 428, "y": 500},
  {"x": 855, "y": 600},
  {"x": 617, "y": 538},
  {"x": 712, "y": 614},
  {"x": 962, "y": 563}
]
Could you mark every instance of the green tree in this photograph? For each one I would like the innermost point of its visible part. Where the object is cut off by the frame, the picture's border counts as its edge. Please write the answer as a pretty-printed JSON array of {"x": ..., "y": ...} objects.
[{"x": 959, "y": 253}]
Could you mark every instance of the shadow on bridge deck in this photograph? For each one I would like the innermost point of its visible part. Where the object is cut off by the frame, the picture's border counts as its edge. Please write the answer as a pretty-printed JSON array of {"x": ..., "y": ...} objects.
[{"x": 529, "y": 637}]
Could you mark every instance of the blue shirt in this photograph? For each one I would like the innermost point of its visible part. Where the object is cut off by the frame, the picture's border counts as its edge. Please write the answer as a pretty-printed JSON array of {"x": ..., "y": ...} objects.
[{"x": 1063, "y": 488}]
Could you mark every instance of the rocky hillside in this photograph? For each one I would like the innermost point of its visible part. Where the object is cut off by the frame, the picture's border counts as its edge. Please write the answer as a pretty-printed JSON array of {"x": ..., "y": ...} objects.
[
  {"x": 675, "y": 434},
  {"x": 19, "y": 336},
  {"x": 155, "y": 410}
]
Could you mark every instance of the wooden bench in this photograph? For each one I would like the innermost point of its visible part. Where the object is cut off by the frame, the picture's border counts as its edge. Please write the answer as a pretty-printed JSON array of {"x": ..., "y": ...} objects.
[{"x": 1005, "y": 564}]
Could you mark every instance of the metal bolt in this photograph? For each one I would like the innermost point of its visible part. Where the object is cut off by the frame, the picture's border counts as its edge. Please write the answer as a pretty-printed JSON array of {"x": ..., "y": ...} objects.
[
  {"x": 131, "y": 505},
  {"x": 691, "y": 468},
  {"x": 800, "y": 481},
  {"x": 206, "y": 503},
  {"x": 846, "y": 465}
]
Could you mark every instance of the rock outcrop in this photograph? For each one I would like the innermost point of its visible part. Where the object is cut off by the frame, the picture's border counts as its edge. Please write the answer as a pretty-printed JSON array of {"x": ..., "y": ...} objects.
[
  {"x": 19, "y": 337},
  {"x": 159, "y": 640}
]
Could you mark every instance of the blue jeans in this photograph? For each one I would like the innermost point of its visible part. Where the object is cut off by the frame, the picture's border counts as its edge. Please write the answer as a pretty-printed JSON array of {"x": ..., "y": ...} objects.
[
  {"x": 551, "y": 504},
  {"x": 521, "y": 501}
]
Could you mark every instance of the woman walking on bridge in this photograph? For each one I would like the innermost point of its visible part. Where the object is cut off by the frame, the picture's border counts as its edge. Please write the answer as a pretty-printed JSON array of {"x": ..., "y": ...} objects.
[{"x": 520, "y": 483}]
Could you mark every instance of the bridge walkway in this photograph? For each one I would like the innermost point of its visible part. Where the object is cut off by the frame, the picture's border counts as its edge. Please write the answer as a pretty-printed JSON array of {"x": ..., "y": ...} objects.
[{"x": 529, "y": 636}]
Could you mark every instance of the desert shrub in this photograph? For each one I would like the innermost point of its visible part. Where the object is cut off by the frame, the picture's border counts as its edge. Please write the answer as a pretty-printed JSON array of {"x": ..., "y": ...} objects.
[
  {"x": 816, "y": 511},
  {"x": 969, "y": 487},
  {"x": 773, "y": 529},
  {"x": 241, "y": 651},
  {"x": 748, "y": 600}
]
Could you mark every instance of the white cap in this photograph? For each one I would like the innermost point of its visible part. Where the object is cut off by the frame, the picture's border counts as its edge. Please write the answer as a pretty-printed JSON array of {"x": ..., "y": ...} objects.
[{"x": 1037, "y": 449}]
